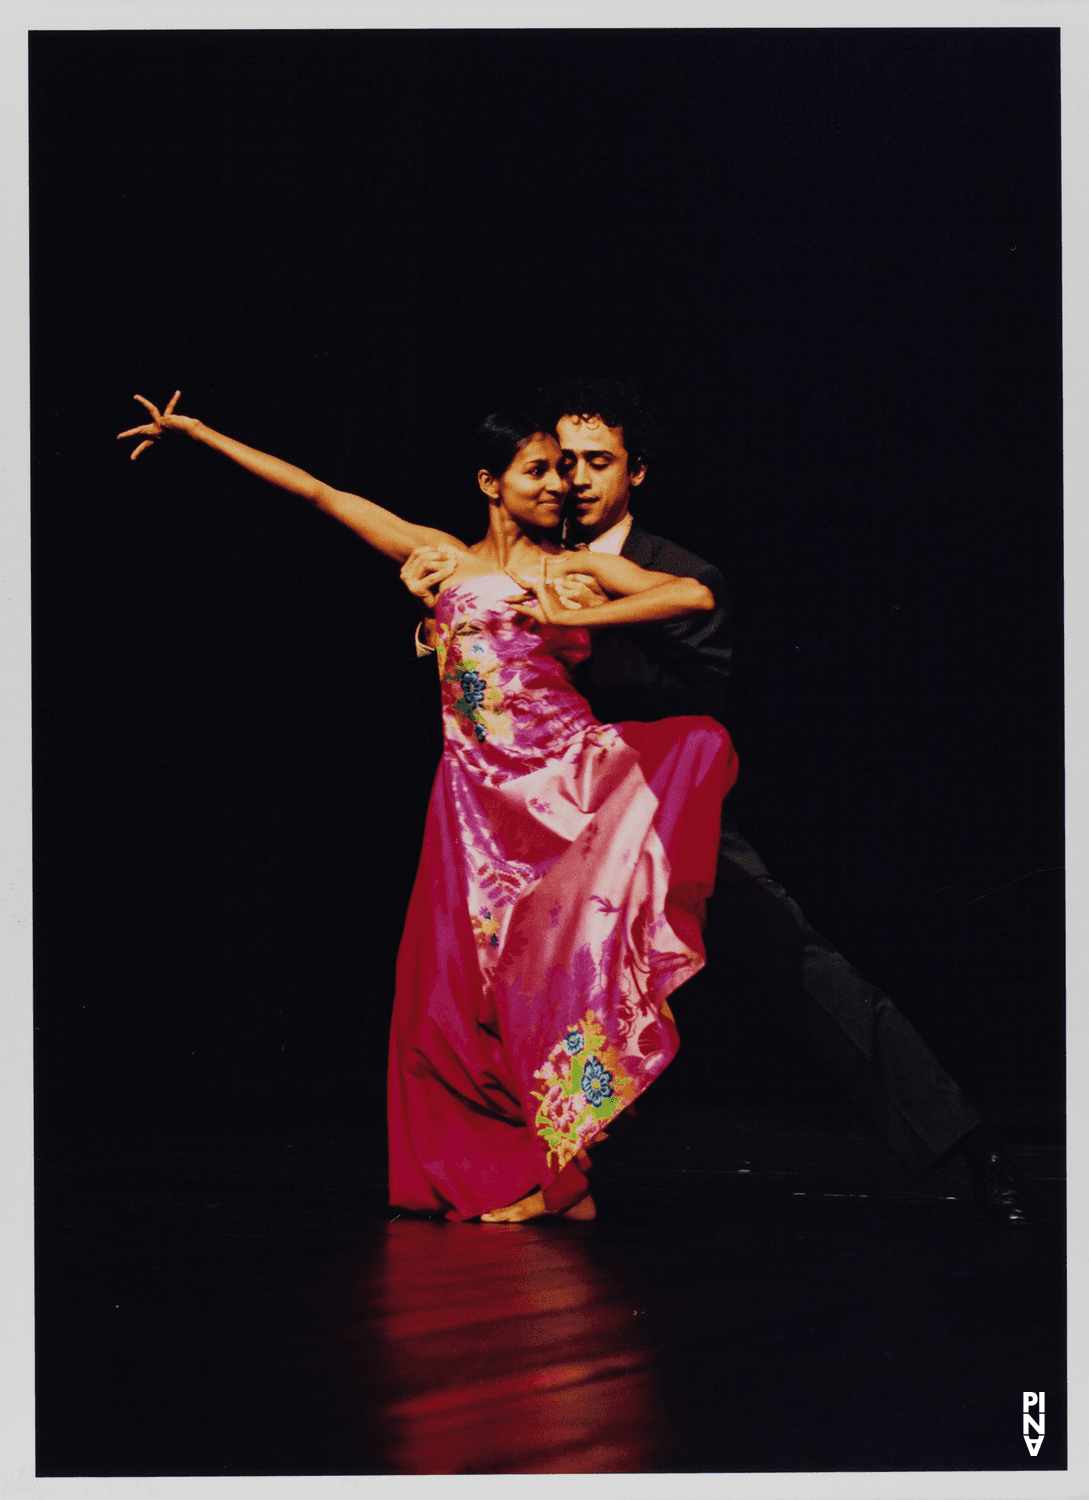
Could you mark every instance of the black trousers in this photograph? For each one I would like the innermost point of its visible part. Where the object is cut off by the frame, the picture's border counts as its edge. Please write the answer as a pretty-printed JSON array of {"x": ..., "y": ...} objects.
[{"x": 871, "y": 1048}]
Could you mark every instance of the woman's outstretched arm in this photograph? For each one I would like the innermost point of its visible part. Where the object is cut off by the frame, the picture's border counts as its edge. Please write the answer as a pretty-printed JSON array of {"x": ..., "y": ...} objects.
[
  {"x": 378, "y": 527},
  {"x": 643, "y": 595}
]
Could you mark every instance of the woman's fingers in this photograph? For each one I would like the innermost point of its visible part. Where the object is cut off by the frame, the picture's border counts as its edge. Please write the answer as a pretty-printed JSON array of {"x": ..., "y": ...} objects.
[
  {"x": 149, "y": 431},
  {"x": 529, "y": 588},
  {"x": 535, "y": 590},
  {"x": 551, "y": 607}
]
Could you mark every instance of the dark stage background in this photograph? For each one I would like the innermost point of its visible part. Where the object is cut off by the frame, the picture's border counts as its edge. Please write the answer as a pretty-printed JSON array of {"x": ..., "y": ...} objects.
[{"x": 833, "y": 259}]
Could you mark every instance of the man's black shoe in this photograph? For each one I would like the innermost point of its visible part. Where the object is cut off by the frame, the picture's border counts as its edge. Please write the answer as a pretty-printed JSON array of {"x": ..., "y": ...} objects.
[{"x": 998, "y": 1191}]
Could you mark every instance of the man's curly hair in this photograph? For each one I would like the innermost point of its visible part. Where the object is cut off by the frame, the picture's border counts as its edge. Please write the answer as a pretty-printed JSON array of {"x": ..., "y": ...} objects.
[{"x": 617, "y": 402}]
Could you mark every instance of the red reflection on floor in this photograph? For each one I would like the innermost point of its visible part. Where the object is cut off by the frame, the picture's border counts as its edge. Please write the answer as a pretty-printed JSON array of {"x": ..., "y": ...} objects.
[{"x": 509, "y": 1349}]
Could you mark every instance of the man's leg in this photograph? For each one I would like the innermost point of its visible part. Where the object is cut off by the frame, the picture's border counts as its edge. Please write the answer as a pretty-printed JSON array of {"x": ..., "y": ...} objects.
[{"x": 871, "y": 1048}]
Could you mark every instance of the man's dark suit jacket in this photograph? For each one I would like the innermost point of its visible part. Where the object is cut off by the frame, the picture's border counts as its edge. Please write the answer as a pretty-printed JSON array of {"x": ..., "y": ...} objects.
[
  {"x": 655, "y": 671},
  {"x": 680, "y": 667}
]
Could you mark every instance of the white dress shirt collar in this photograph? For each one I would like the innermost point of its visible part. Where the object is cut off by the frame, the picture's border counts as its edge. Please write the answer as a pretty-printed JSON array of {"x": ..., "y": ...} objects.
[{"x": 612, "y": 541}]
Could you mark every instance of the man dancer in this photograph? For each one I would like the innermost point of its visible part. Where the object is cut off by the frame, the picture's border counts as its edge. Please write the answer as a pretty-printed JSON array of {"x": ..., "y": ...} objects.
[{"x": 653, "y": 671}]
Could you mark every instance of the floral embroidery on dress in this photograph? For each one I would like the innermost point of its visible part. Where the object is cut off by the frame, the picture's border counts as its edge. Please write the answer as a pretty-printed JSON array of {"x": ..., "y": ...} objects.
[
  {"x": 595, "y": 1081},
  {"x": 472, "y": 669},
  {"x": 472, "y": 687},
  {"x": 585, "y": 1086},
  {"x": 486, "y": 928},
  {"x": 472, "y": 697}
]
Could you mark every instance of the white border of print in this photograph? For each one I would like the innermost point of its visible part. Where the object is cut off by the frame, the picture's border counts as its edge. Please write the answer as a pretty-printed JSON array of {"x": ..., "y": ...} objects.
[{"x": 17, "y": 17}]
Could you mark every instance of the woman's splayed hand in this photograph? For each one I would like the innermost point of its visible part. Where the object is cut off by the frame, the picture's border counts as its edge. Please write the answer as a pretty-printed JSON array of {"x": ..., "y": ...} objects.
[
  {"x": 541, "y": 601},
  {"x": 162, "y": 421}
]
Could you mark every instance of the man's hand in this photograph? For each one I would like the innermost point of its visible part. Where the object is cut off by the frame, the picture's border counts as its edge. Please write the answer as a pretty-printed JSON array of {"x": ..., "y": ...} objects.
[
  {"x": 579, "y": 591},
  {"x": 425, "y": 569}
]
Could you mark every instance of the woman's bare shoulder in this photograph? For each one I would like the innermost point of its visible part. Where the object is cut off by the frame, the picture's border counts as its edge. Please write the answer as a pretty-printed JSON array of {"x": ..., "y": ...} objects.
[{"x": 439, "y": 539}]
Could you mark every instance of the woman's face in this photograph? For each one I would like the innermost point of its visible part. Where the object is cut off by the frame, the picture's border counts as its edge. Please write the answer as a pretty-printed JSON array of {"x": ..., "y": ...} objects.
[{"x": 532, "y": 490}]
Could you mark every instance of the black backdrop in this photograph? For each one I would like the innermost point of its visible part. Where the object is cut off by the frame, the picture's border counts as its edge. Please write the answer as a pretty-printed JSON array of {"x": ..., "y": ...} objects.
[{"x": 832, "y": 257}]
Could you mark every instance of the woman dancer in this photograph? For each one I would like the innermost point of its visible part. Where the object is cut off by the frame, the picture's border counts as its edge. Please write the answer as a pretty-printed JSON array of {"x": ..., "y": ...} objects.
[{"x": 565, "y": 865}]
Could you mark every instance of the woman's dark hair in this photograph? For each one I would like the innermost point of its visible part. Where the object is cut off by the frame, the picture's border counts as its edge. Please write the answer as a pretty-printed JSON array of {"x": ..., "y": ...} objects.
[
  {"x": 498, "y": 439},
  {"x": 618, "y": 403}
]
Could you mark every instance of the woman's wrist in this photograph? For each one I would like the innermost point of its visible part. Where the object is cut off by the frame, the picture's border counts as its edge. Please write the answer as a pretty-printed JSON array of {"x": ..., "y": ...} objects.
[{"x": 577, "y": 618}]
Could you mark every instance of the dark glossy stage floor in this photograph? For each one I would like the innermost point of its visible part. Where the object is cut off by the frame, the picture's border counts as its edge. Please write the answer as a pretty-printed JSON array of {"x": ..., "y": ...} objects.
[{"x": 758, "y": 1293}]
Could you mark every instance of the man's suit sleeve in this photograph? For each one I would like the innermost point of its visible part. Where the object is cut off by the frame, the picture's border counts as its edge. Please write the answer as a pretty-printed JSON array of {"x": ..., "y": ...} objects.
[
  {"x": 695, "y": 658},
  {"x": 669, "y": 667}
]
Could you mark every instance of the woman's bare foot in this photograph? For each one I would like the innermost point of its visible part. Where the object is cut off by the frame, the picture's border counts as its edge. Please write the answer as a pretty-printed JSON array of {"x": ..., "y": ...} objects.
[
  {"x": 530, "y": 1207},
  {"x": 533, "y": 1207}
]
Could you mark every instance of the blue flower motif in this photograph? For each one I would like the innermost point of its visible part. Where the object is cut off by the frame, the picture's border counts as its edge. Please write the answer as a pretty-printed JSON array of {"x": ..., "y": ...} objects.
[
  {"x": 573, "y": 1043},
  {"x": 595, "y": 1081},
  {"x": 472, "y": 688},
  {"x": 478, "y": 730},
  {"x": 494, "y": 940}
]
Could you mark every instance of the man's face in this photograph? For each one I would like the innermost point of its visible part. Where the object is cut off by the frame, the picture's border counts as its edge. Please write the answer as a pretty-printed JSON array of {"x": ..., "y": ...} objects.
[{"x": 595, "y": 464}]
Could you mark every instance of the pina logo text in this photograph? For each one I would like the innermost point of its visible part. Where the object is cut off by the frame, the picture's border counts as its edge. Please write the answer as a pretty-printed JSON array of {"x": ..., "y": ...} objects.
[{"x": 1031, "y": 1399}]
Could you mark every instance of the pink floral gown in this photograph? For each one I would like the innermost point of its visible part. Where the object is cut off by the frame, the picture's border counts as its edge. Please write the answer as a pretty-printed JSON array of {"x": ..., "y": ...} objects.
[{"x": 558, "y": 903}]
